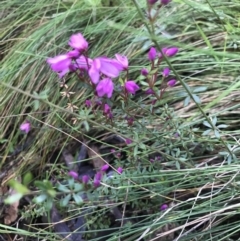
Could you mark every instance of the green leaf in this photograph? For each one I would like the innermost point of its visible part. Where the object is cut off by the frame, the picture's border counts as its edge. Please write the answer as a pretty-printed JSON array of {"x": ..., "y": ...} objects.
[
  {"x": 86, "y": 125},
  {"x": 41, "y": 198},
  {"x": 135, "y": 151},
  {"x": 62, "y": 188},
  {"x": 200, "y": 89},
  {"x": 18, "y": 187},
  {"x": 36, "y": 104},
  {"x": 217, "y": 134},
  {"x": 222, "y": 126},
  {"x": 51, "y": 192},
  {"x": 64, "y": 202},
  {"x": 178, "y": 165},
  {"x": 49, "y": 204},
  {"x": 207, "y": 124},
  {"x": 78, "y": 187},
  {"x": 214, "y": 120},
  {"x": 27, "y": 178},
  {"x": 40, "y": 185},
  {"x": 197, "y": 99},
  {"x": 186, "y": 101},
  {"x": 77, "y": 199},
  {"x": 71, "y": 182},
  {"x": 13, "y": 198},
  {"x": 205, "y": 133}
]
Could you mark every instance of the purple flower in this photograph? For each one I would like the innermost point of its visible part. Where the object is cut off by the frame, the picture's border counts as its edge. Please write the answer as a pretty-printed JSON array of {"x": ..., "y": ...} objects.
[
  {"x": 151, "y": 2},
  {"x": 25, "y": 127},
  {"x": 166, "y": 72},
  {"x": 88, "y": 103},
  {"x": 131, "y": 87},
  {"x": 60, "y": 64},
  {"x": 123, "y": 60},
  {"x": 128, "y": 141},
  {"x": 105, "y": 167},
  {"x": 73, "y": 174},
  {"x": 120, "y": 170},
  {"x": 110, "y": 67},
  {"x": 149, "y": 92},
  {"x": 107, "y": 109},
  {"x": 130, "y": 121},
  {"x": 165, "y": 2},
  {"x": 85, "y": 179},
  {"x": 144, "y": 72},
  {"x": 83, "y": 62},
  {"x": 164, "y": 207},
  {"x": 96, "y": 183},
  {"x": 98, "y": 176},
  {"x": 171, "y": 51},
  {"x": 97, "y": 179},
  {"x": 73, "y": 54},
  {"x": 152, "y": 54},
  {"x": 171, "y": 82},
  {"x": 105, "y": 87},
  {"x": 163, "y": 51},
  {"x": 77, "y": 41},
  {"x": 94, "y": 71}
]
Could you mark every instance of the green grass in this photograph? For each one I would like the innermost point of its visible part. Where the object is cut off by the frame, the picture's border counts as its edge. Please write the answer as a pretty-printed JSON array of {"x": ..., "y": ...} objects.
[{"x": 197, "y": 177}]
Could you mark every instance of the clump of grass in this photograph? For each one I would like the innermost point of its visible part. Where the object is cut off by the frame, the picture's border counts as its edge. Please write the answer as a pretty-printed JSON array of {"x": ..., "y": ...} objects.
[{"x": 197, "y": 176}]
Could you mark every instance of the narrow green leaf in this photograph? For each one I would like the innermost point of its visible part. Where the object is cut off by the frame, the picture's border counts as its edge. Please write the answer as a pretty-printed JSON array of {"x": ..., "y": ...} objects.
[
  {"x": 62, "y": 188},
  {"x": 77, "y": 199},
  {"x": 207, "y": 124},
  {"x": 18, "y": 187},
  {"x": 13, "y": 198},
  {"x": 41, "y": 198},
  {"x": 27, "y": 178},
  {"x": 222, "y": 126},
  {"x": 64, "y": 202}
]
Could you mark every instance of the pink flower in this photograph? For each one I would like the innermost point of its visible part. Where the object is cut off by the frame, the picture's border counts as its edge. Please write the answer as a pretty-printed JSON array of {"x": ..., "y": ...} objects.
[
  {"x": 144, "y": 72},
  {"x": 164, "y": 207},
  {"x": 88, "y": 103},
  {"x": 152, "y": 54},
  {"x": 165, "y": 2},
  {"x": 60, "y": 64},
  {"x": 107, "y": 109},
  {"x": 98, "y": 176},
  {"x": 73, "y": 174},
  {"x": 96, "y": 183},
  {"x": 130, "y": 121},
  {"x": 83, "y": 62},
  {"x": 151, "y": 2},
  {"x": 128, "y": 141},
  {"x": 25, "y": 127},
  {"x": 97, "y": 179},
  {"x": 105, "y": 87},
  {"x": 73, "y": 54},
  {"x": 120, "y": 170},
  {"x": 149, "y": 92},
  {"x": 123, "y": 60},
  {"x": 77, "y": 41},
  {"x": 110, "y": 67},
  {"x": 85, "y": 179},
  {"x": 94, "y": 71},
  {"x": 171, "y": 82},
  {"x": 131, "y": 87},
  {"x": 171, "y": 51},
  {"x": 166, "y": 72},
  {"x": 105, "y": 167}
]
